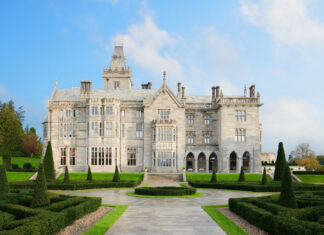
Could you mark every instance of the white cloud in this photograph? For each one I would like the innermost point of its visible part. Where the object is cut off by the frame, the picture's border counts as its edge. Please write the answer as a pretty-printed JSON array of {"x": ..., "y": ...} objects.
[
  {"x": 292, "y": 121},
  {"x": 4, "y": 95},
  {"x": 287, "y": 21}
]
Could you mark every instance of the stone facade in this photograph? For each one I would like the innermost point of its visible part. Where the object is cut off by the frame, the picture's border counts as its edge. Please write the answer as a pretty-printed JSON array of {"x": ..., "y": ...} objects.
[
  {"x": 268, "y": 157},
  {"x": 154, "y": 129}
]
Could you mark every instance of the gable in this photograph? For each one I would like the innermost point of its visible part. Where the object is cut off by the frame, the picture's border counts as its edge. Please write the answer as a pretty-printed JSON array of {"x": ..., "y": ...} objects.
[{"x": 164, "y": 97}]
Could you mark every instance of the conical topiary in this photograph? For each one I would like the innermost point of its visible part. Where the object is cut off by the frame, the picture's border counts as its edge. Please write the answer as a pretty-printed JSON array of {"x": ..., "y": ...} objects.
[
  {"x": 49, "y": 163},
  {"x": 242, "y": 176},
  {"x": 213, "y": 178},
  {"x": 280, "y": 163},
  {"x": 89, "y": 176},
  {"x": 264, "y": 176},
  {"x": 287, "y": 197},
  {"x": 4, "y": 186},
  {"x": 40, "y": 196},
  {"x": 66, "y": 175},
  {"x": 116, "y": 175}
]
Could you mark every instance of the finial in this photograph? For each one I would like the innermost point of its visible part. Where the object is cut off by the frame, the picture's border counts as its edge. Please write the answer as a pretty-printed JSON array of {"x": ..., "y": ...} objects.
[
  {"x": 55, "y": 84},
  {"x": 245, "y": 91},
  {"x": 164, "y": 79},
  {"x": 221, "y": 93}
]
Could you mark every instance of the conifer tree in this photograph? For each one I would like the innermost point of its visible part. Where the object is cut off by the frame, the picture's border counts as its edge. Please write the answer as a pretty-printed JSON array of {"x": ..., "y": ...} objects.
[
  {"x": 287, "y": 197},
  {"x": 280, "y": 164},
  {"x": 49, "y": 163},
  {"x": 213, "y": 178},
  {"x": 40, "y": 196},
  {"x": 264, "y": 176},
  {"x": 4, "y": 186},
  {"x": 242, "y": 176},
  {"x": 89, "y": 176},
  {"x": 66, "y": 175},
  {"x": 116, "y": 175}
]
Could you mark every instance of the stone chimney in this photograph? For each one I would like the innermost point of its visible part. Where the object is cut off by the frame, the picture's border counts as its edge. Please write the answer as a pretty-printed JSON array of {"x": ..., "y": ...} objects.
[
  {"x": 213, "y": 92},
  {"x": 217, "y": 91},
  {"x": 179, "y": 89},
  {"x": 86, "y": 87},
  {"x": 252, "y": 91},
  {"x": 149, "y": 85},
  {"x": 183, "y": 92}
]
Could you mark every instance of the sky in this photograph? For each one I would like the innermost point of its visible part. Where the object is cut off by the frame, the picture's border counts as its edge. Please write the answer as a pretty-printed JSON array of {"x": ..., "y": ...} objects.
[{"x": 278, "y": 45}]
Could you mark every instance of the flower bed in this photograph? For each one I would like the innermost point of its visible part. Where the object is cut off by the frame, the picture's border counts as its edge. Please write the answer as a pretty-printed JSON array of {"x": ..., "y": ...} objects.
[{"x": 165, "y": 191}]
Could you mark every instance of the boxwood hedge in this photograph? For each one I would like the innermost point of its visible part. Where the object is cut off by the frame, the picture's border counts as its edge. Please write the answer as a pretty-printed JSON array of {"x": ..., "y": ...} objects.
[
  {"x": 308, "y": 172},
  {"x": 165, "y": 191}
]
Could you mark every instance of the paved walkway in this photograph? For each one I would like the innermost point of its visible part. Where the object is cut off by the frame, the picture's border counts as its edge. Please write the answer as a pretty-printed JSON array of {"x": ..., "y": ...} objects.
[{"x": 165, "y": 215}]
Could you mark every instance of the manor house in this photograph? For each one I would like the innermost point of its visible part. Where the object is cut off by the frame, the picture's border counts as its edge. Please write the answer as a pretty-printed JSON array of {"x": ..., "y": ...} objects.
[{"x": 153, "y": 129}]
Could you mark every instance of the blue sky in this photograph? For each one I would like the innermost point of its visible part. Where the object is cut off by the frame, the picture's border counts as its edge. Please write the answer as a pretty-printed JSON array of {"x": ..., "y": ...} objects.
[{"x": 277, "y": 45}]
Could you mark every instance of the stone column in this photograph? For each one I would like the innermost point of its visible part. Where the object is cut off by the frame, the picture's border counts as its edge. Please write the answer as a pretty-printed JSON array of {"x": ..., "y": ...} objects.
[
  {"x": 207, "y": 168},
  {"x": 239, "y": 162},
  {"x": 196, "y": 165}
]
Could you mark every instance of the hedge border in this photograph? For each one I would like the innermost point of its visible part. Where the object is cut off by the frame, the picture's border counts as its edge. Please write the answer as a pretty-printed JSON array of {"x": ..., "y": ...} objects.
[
  {"x": 308, "y": 172},
  {"x": 133, "y": 194},
  {"x": 165, "y": 191}
]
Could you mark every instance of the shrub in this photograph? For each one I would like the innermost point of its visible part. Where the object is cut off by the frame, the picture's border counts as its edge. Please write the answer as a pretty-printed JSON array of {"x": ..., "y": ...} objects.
[
  {"x": 66, "y": 175},
  {"x": 27, "y": 166},
  {"x": 287, "y": 197},
  {"x": 213, "y": 178},
  {"x": 308, "y": 172},
  {"x": 165, "y": 191},
  {"x": 40, "y": 196},
  {"x": 4, "y": 186},
  {"x": 116, "y": 175},
  {"x": 15, "y": 166},
  {"x": 89, "y": 176},
  {"x": 264, "y": 176},
  {"x": 242, "y": 176},
  {"x": 280, "y": 163},
  {"x": 49, "y": 163}
]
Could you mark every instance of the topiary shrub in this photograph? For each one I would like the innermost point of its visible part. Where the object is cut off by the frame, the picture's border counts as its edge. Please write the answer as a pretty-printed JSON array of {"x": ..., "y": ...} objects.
[
  {"x": 264, "y": 176},
  {"x": 280, "y": 164},
  {"x": 40, "y": 197},
  {"x": 66, "y": 175},
  {"x": 287, "y": 197},
  {"x": 89, "y": 176},
  {"x": 27, "y": 166},
  {"x": 116, "y": 175},
  {"x": 49, "y": 163},
  {"x": 4, "y": 186},
  {"x": 242, "y": 176},
  {"x": 15, "y": 166},
  {"x": 213, "y": 178},
  {"x": 165, "y": 191}
]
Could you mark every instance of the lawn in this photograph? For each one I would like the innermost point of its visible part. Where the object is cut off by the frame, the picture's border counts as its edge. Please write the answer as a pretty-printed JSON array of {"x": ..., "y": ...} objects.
[
  {"x": 22, "y": 160},
  {"x": 103, "y": 176},
  {"x": 311, "y": 178},
  {"x": 19, "y": 176},
  {"x": 223, "y": 177}
]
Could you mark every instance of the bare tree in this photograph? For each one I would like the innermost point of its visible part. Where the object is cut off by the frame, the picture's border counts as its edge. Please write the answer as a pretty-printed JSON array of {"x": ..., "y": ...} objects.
[{"x": 302, "y": 151}]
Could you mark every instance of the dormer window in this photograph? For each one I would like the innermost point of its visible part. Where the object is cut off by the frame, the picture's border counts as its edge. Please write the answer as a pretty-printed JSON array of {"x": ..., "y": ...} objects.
[{"x": 164, "y": 114}]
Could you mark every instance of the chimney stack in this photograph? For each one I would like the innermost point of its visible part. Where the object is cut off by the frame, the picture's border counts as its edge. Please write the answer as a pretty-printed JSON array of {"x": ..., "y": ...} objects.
[
  {"x": 183, "y": 92},
  {"x": 217, "y": 91},
  {"x": 213, "y": 92},
  {"x": 86, "y": 87},
  {"x": 149, "y": 85},
  {"x": 252, "y": 91},
  {"x": 179, "y": 89}
]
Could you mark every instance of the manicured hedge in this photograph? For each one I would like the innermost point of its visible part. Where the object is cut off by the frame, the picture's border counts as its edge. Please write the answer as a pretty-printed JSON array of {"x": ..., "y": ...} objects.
[
  {"x": 77, "y": 185},
  {"x": 165, "y": 191},
  {"x": 308, "y": 172},
  {"x": 254, "y": 186}
]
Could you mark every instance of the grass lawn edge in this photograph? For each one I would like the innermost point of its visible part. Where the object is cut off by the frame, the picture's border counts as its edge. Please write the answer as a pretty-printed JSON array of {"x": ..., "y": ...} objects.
[
  {"x": 103, "y": 225},
  {"x": 133, "y": 194},
  {"x": 225, "y": 223}
]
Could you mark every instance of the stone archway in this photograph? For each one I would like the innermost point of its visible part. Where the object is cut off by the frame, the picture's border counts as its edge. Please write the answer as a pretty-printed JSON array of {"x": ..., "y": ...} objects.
[
  {"x": 202, "y": 162},
  {"x": 190, "y": 162},
  {"x": 213, "y": 164},
  {"x": 246, "y": 161},
  {"x": 233, "y": 162}
]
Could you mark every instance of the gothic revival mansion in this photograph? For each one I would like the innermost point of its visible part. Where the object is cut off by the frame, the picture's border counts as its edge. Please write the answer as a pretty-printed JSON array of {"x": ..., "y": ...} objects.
[{"x": 151, "y": 129}]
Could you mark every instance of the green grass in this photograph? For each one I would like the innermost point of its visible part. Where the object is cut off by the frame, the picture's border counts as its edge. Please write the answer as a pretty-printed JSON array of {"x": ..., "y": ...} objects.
[
  {"x": 224, "y": 177},
  {"x": 19, "y": 176},
  {"x": 226, "y": 224},
  {"x": 133, "y": 194},
  {"x": 146, "y": 185},
  {"x": 103, "y": 176},
  {"x": 102, "y": 226},
  {"x": 22, "y": 160},
  {"x": 183, "y": 185},
  {"x": 311, "y": 178}
]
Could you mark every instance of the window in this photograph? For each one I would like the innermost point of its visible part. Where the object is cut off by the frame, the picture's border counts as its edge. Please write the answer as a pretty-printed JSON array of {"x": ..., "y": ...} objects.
[
  {"x": 190, "y": 120},
  {"x": 131, "y": 156},
  {"x": 108, "y": 156},
  {"x": 207, "y": 135},
  {"x": 74, "y": 113},
  {"x": 72, "y": 156},
  {"x": 190, "y": 137},
  {"x": 164, "y": 159},
  {"x": 122, "y": 113},
  {"x": 116, "y": 85},
  {"x": 101, "y": 156},
  {"x": 63, "y": 156},
  {"x": 164, "y": 114},
  {"x": 164, "y": 134},
  {"x": 123, "y": 130},
  {"x": 94, "y": 128},
  {"x": 138, "y": 113},
  {"x": 207, "y": 120},
  {"x": 94, "y": 111},
  {"x": 68, "y": 130},
  {"x": 109, "y": 110},
  {"x": 108, "y": 128},
  {"x": 139, "y": 130},
  {"x": 94, "y": 156},
  {"x": 240, "y": 135},
  {"x": 68, "y": 113},
  {"x": 240, "y": 115},
  {"x": 101, "y": 129}
]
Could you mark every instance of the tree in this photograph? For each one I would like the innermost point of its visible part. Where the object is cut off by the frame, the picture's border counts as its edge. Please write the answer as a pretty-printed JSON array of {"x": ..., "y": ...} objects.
[
  {"x": 302, "y": 151},
  {"x": 280, "y": 164},
  {"x": 287, "y": 197},
  {"x": 11, "y": 132},
  {"x": 310, "y": 163},
  {"x": 66, "y": 175},
  {"x": 4, "y": 186},
  {"x": 40, "y": 197},
  {"x": 264, "y": 176},
  {"x": 116, "y": 175},
  {"x": 213, "y": 178},
  {"x": 320, "y": 159},
  {"x": 49, "y": 163},
  {"x": 89, "y": 176},
  {"x": 32, "y": 144},
  {"x": 242, "y": 176}
]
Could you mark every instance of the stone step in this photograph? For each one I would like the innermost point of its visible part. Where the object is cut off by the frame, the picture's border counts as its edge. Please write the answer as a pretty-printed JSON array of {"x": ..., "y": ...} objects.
[{"x": 164, "y": 177}]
